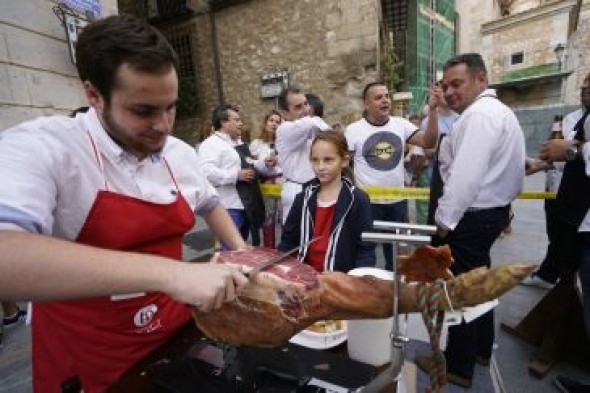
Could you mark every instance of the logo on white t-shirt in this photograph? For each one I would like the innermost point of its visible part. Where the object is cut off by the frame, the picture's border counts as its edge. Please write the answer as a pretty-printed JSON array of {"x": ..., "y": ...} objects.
[{"x": 383, "y": 151}]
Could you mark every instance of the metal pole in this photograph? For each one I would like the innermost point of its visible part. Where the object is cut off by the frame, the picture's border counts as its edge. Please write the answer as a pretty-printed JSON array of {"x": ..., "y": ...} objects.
[{"x": 398, "y": 341}]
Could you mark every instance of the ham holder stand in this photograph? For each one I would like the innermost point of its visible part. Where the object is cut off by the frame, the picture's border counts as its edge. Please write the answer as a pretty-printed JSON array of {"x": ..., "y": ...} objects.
[
  {"x": 401, "y": 233},
  {"x": 216, "y": 367}
]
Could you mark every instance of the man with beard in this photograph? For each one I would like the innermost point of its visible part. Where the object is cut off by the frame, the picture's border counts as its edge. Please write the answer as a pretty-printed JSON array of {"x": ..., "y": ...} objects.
[
  {"x": 94, "y": 207},
  {"x": 482, "y": 168},
  {"x": 572, "y": 208},
  {"x": 377, "y": 145}
]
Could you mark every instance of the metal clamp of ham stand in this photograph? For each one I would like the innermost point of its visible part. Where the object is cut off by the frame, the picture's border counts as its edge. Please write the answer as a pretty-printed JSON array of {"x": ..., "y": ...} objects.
[{"x": 403, "y": 233}]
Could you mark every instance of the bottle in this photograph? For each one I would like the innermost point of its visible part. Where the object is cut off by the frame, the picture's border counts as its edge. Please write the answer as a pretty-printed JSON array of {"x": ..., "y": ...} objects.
[{"x": 556, "y": 128}]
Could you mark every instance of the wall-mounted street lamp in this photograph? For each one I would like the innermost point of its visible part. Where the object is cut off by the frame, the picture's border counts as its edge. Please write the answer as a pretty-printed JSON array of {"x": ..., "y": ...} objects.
[{"x": 559, "y": 52}]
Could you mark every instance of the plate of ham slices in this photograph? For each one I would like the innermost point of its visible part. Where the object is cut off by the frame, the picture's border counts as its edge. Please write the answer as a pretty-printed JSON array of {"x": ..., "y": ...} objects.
[{"x": 322, "y": 335}]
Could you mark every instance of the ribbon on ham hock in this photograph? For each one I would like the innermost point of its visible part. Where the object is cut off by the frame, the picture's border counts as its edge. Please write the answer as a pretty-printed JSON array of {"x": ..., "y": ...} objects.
[{"x": 289, "y": 296}]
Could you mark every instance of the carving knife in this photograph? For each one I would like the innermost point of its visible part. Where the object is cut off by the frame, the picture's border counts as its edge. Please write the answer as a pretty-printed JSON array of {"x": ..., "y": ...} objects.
[{"x": 260, "y": 267}]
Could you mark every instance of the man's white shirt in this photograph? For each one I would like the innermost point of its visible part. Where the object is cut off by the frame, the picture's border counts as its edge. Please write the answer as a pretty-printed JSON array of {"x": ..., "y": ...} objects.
[
  {"x": 569, "y": 122},
  {"x": 50, "y": 174},
  {"x": 481, "y": 161},
  {"x": 293, "y": 144},
  {"x": 221, "y": 163}
]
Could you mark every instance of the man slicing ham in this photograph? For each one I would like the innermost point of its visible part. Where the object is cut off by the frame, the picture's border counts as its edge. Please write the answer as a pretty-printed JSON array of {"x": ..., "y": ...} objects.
[{"x": 94, "y": 207}]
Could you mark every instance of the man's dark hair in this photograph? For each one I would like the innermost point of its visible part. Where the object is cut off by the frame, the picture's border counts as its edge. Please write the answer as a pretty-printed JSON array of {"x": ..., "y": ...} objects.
[
  {"x": 282, "y": 101},
  {"x": 368, "y": 87},
  {"x": 220, "y": 114},
  {"x": 103, "y": 46},
  {"x": 473, "y": 61},
  {"x": 314, "y": 101}
]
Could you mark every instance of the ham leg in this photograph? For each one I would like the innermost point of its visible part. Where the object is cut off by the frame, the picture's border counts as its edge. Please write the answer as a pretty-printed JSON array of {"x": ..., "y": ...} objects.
[{"x": 290, "y": 296}]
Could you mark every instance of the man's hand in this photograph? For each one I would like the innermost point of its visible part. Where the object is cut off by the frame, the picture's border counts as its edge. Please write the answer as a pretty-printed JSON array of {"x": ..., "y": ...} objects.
[
  {"x": 205, "y": 285},
  {"x": 554, "y": 150},
  {"x": 435, "y": 97},
  {"x": 534, "y": 165},
  {"x": 441, "y": 232},
  {"x": 246, "y": 174}
]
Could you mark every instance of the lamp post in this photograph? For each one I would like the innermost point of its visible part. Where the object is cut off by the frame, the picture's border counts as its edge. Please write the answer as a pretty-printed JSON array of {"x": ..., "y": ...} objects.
[{"x": 559, "y": 51}]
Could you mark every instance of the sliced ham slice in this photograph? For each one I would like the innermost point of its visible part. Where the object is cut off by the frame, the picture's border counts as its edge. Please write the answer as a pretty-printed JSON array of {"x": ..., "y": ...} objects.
[{"x": 289, "y": 296}]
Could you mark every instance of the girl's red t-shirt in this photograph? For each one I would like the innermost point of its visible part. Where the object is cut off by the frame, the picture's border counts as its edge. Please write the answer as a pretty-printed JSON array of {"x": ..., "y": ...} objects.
[{"x": 323, "y": 218}]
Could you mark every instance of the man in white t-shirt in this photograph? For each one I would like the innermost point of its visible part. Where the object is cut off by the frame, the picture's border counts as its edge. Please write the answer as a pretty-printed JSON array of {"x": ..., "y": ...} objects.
[
  {"x": 377, "y": 143},
  {"x": 293, "y": 143}
]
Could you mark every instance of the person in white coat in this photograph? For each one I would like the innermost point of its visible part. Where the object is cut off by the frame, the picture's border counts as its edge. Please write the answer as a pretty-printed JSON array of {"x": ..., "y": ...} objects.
[{"x": 293, "y": 143}]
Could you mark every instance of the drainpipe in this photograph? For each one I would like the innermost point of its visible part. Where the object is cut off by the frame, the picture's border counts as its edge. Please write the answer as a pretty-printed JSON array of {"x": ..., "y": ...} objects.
[{"x": 215, "y": 48}]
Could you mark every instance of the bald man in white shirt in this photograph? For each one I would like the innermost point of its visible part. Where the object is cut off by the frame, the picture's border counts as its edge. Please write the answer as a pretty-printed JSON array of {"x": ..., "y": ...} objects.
[{"x": 482, "y": 168}]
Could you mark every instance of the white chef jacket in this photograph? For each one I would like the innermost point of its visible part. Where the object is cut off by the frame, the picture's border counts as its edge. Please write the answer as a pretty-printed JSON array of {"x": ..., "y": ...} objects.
[
  {"x": 50, "y": 174},
  {"x": 481, "y": 161},
  {"x": 221, "y": 164}
]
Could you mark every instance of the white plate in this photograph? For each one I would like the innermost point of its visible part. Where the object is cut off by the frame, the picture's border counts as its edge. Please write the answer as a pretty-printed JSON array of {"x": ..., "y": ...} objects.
[{"x": 315, "y": 340}]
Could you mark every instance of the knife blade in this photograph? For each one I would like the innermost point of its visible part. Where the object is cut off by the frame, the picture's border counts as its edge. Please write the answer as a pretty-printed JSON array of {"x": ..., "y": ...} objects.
[{"x": 260, "y": 267}]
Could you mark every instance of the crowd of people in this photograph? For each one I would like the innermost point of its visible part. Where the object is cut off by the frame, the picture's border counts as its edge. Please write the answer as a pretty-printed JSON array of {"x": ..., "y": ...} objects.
[{"x": 95, "y": 205}]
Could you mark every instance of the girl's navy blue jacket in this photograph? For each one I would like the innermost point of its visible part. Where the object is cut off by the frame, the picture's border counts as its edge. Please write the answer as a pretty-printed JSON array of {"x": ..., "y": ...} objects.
[{"x": 352, "y": 216}]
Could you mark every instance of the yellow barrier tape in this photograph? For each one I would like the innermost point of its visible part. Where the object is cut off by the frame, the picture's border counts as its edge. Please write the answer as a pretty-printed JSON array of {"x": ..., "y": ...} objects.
[{"x": 391, "y": 193}]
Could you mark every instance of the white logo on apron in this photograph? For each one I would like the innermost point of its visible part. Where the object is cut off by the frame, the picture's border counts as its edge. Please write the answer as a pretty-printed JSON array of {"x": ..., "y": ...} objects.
[{"x": 145, "y": 315}]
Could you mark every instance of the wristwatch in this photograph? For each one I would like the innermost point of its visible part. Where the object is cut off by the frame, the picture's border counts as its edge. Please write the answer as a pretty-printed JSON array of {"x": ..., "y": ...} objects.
[{"x": 573, "y": 152}]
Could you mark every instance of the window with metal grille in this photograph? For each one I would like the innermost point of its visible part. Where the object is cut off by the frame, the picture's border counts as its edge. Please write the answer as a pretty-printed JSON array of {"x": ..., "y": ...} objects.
[
  {"x": 181, "y": 41},
  {"x": 517, "y": 58},
  {"x": 165, "y": 9}
]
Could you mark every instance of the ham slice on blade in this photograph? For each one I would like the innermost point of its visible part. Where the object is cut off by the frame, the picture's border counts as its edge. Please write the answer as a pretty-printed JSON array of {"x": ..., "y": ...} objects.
[{"x": 289, "y": 296}]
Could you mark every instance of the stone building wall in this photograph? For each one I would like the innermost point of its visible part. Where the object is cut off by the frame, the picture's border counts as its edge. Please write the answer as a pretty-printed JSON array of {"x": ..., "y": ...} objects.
[
  {"x": 578, "y": 52},
  {"x": 37, "y": 76},
  {"x": 472, "y": 15},
  {"x": 534, "y": 32},
  {"x": 329, "y": 47}
]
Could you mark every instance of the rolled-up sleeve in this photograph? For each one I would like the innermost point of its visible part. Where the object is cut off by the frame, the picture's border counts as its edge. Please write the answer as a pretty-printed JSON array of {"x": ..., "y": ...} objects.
[{"x": 28, "y": 193}]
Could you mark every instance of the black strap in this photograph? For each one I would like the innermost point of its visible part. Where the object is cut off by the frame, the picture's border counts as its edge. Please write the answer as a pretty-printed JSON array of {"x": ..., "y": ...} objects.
[
  {"x": 249, "y": 192},
  {"x": 573, "y": 197},
  {"x": 579, "y": 127}
]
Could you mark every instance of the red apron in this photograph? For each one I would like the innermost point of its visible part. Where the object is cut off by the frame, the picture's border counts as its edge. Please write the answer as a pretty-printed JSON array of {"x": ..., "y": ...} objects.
[{"x": 98, "y": 339}]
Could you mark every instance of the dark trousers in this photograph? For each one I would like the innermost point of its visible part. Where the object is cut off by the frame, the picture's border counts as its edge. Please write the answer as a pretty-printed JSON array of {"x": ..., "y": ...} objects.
[
  {"x": 240, "y": 219},
  {"x": 470, "y": 245},
  {"x": 584, "y": 272},
  {"x": 550, "y": 269},
  {"x": 436, "y": 190},
  {"x": 393, "y": 212}
]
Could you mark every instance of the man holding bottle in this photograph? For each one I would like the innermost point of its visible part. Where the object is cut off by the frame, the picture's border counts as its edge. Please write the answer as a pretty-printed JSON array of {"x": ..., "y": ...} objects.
[{"x": 572, "y": 207}]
